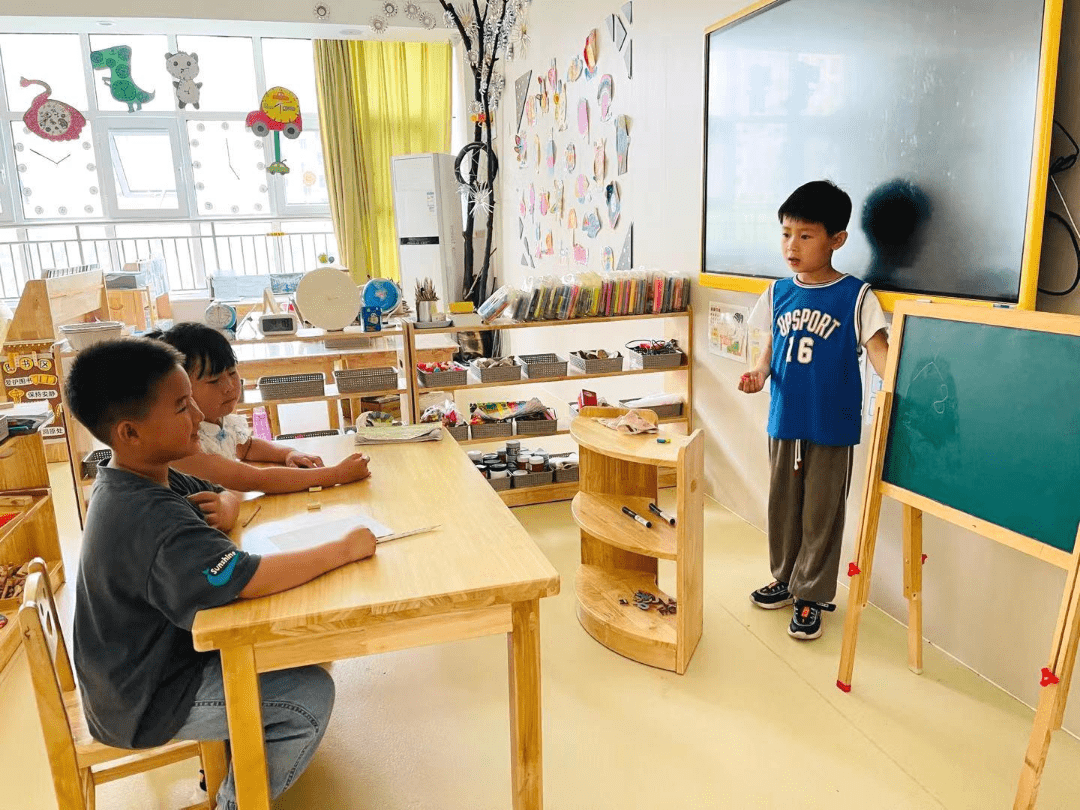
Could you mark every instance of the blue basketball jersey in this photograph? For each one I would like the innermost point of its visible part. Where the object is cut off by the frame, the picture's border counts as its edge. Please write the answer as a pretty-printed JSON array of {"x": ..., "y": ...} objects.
[{"x": 816, "y": 383}]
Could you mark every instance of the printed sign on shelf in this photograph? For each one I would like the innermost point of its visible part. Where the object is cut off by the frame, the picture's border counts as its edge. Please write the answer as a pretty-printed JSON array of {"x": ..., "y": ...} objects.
[{"x": 30, "y": 376}]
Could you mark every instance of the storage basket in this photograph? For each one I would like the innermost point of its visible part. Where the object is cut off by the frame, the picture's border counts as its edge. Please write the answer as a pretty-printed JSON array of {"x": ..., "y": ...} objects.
[
  {"x": 434, "y": 379},
  {"x": 491, "y": 430},
  {"x": 543, "y": 365},
  {"x": 459, "y": 432},
  {"x": 568, "y": 475},
  {"x": 362, "y": 380},
  {"x": 661, "y": 411},
  {"x": 671, "y": 360},
  {"x": 292, "y": 386},
  {"x": 91, "y": 462},
  {"x": 532, "y": 479},
  {"x": 498, "y": 374},
  {"x": 500, "y": 484},
  {"x": 605, "y": 366},
  {"x": 537, "y": 427},
  {"x": 311, "y": 434}
]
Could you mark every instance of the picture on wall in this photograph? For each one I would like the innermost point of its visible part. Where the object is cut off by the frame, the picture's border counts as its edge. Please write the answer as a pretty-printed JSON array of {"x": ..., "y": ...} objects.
[{"x": 728, "y": 330}]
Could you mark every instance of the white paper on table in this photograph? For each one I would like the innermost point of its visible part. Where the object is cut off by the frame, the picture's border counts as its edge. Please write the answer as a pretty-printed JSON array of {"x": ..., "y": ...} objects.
[{"x": 313, "y": 533}]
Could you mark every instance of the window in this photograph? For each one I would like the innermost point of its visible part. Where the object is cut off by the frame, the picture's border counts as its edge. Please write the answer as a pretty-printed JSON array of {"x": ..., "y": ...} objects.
[
  {"x": 57, "y": 180},
  {"x": 129, "y": 72},
  {"x": 144, "y": 170},
  {"x": 228, "y": 164}
]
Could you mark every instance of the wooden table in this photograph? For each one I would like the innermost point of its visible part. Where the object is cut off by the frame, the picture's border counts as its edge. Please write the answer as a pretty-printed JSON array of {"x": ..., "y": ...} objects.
[{"x": 480, "y": 574}]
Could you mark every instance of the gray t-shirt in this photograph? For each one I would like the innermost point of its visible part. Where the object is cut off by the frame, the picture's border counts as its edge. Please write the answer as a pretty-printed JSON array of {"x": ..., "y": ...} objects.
[{"x": 149, "y": 563}]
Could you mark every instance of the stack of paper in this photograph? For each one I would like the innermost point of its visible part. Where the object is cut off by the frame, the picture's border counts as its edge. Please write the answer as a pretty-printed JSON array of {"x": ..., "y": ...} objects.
[{"x": 398, "y": 434}]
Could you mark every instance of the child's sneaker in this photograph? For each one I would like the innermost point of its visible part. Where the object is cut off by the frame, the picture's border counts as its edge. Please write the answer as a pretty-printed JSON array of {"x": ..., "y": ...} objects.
[
  {"x": 772, "y": 596},
  {"x": 806, "y": 623}
]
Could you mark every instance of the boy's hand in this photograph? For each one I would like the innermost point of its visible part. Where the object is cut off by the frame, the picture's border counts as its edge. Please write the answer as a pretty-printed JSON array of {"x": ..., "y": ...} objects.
[
  {"x": 752, "y": 382},
  {"x": 297, "y": 459},
  {"x": 353, "y": 468},
  {"x": 220, "y": 508},
  {"x": 359, "y": 544}
]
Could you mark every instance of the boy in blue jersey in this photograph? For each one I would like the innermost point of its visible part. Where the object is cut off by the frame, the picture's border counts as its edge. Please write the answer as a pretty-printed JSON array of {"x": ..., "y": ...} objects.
[{"x": 818, "y": 322}]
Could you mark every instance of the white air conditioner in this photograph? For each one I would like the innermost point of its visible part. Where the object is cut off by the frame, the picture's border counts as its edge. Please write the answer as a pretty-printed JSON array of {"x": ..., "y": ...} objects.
[{"x": 428, "y": 212}]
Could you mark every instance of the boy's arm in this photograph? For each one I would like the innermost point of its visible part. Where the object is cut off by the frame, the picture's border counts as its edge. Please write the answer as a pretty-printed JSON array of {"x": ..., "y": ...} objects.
[
  {"x": 237, "y": 475},
  {"x": 262, "y": 450},
  {"x": 220, "y": 508},
  {"x": 279, "y": 572},
  {"x": 877, "y": 349},
  {"x": 754, "y": 380}
]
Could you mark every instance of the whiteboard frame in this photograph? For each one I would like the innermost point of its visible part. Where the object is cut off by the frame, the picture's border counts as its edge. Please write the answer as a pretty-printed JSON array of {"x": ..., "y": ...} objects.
[{"x": 1038, "y": 178}]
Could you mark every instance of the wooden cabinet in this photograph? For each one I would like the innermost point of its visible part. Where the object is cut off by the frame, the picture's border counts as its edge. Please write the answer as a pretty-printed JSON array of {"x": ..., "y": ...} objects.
[{"x": 133, "y": 307}]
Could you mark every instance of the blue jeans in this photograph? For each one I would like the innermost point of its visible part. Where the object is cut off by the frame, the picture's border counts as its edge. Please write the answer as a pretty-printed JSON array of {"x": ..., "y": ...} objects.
[{"x": 296, "y": 705}]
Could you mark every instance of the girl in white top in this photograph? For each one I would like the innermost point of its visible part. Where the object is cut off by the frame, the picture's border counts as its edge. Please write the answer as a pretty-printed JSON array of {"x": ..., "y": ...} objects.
[{"x": 226, "y": 440}]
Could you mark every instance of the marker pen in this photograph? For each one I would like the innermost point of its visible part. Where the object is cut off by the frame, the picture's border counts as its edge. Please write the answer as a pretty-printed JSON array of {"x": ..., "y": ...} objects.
[
  {"x": 631, "y": 513},
  {"x": 661, "y": 514}
]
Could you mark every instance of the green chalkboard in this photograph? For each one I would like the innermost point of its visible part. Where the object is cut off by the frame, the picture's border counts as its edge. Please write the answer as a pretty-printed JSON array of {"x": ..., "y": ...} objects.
[{"x": 986, "y": 419}]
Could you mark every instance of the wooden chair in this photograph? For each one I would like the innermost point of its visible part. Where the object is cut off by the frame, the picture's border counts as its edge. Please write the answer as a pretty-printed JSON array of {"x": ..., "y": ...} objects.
[{"x": 78, "y": 762}]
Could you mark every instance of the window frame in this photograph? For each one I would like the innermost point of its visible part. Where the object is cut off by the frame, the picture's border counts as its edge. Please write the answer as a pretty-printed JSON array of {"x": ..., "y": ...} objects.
[{"x": 106, "y": 126}]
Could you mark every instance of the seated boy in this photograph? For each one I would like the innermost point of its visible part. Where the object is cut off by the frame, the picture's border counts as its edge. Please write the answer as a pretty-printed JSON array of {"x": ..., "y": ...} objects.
[{"x": 153, "y": 555}]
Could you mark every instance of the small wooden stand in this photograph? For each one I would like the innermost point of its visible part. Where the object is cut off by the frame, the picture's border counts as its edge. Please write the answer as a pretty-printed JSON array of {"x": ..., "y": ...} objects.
[{"x": 619, "y": 555}]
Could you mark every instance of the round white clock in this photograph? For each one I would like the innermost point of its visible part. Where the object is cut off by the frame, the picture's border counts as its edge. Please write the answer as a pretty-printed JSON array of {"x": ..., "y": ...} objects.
[
  {"x": 220, "y": 316},
  {"x": 328, "y": 298}
]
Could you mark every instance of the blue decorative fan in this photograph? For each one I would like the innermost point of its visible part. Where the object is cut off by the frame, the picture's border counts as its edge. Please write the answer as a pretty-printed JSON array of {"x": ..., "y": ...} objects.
[{"x": 382, "y": 293}]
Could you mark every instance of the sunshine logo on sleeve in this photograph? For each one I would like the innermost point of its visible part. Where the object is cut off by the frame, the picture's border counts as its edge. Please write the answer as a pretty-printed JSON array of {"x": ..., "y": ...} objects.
[{"x": 220, "y": 573}]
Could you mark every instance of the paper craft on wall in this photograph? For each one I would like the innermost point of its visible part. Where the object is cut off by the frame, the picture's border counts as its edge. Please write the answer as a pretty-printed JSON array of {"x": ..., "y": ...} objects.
[
  {"x": 581, "y": 254},
  {"x": 549, "y": 156},
  {"x": 49, "y": 118},
  {"x": 557, "y": 198},
  {"x": 573, "y": 73},
  {"x": 571, "y": 158},
  {"x": 728, "y": 330},
  {"x": 581, "y": 188},
  {"x": 117, "y": 60},
  {"x": 184, "y": 67},
  {"x": 536, "y": 150},
  {"x": 564, "y": 255},
  {"x": 521, "y": 91},
  {"x": 611, "y": 27},
  {"x": 525, "y": 255},
  {"x": 620, "y": 33},
  {"x": 628, "y": 12},
  {"x": 590, "y": 54},
  {"x": 609, "y": 260},
  {"x": 622, "y": 141},
  {"x": 523, "y": 207},
  {"x": 614, "y": 203},
  {"x": 521, "y": 148},
  {"x": 521, "y": 228},
  {"x": 545, "y": 203},
  {"x": 572, "y": 219},
  {"x": 542, "y": 96},
  {"x": 604, "y": 94},
  {"x": 599, "y": 165},
  {"x": 532, "y": 109},
  {"x": 583, "y": 117},
  {"x": 279, "y": 112},
  {"x": 591, "y": 224},
  {"x": 549, "y": 244},
  {"x": 537, "y": 236},
  {"x": 560, "y": 107},
  {"x": 628, "y": 59},
  {"x": 626, "y": 258},
  {"x": 553, "y": 75}
]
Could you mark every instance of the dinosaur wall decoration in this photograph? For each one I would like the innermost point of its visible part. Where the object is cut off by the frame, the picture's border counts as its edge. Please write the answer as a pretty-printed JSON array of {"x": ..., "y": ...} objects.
[{"x": 117, "y": 60}]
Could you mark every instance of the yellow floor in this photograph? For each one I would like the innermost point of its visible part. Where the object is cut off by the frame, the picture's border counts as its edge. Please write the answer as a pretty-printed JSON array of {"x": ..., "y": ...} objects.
[{"x": 755, "y": 723}]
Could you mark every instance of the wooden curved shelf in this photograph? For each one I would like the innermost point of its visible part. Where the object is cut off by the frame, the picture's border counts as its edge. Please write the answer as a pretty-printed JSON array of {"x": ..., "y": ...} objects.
[
  {"x": 640, "y": 635},
  {"x": 602, "y": 517},
  {"x": 640, "y": 449}
]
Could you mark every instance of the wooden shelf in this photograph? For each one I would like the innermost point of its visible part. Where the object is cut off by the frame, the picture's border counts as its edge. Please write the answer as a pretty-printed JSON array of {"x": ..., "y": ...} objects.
[
  {"x": 641, "y": 635},
  {"x": 314, "y": 335},
  {"x": 540, "y": 324},
  {"x": 252, "y": 397},
  {"x": 10, "y": 635},
  {"x": 640, "y": 449},
  {"x": 602, "y": 517},
  {"x": 560, "y": 432},
  {"x": 542, "y": 380}
]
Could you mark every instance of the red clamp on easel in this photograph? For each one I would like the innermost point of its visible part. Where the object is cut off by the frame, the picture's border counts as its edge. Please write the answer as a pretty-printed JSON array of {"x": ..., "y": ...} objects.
[
  {"x": 853, "y": 569},
  {"x": 1048, "y": 677},
  {"x": 924, "y": 559}
]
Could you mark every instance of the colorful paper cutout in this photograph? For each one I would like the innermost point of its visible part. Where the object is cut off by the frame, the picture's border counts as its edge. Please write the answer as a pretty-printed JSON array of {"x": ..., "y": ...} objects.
[
  {"x": 549, "y": 244},
  {"x": 591, "y": 224},
  {"x": 532, "y": 199},
  {"x": 545, "y": 203},
  {"x": 521, "y": 148},
  {"x": 117, "y": 60},
  {"x": 614, "y": 203},
  {"x": 49, "y": 118},
  {"x": 571, "y": 158},
  {"x": 572, "y": 219},
  {"x": 279, "y": 112},
  {"x": 589, "y": 54},
  {"x": 599, "y": 165},
  {"x": 549, "y": 156},
  {"x": 581, "y": 187},
  {"x": 581, "y": 254},
  {"x": 626, "y": 258},
  {"x": 557, "y": 198},
  {"x": 622, "y": 141},
  {"x": 532, "y": 109},
  {"x": 609, "y": 260},
  {"x": 542, "y": 96},
  {"x": 573, "y": 73},
  {"x": 536, "y": 150},
  {"x": 560, "y": 107},
  {"x": 620, "y": 34},
  {"x": 523, "y": 208},
  {"x": 552, "y": 75},
  {"x": 583, "y": 117},
  {"x": 604, "y": 93},
  {"x": 521, "y": 91},
  {"x": 184, "y": 67}
]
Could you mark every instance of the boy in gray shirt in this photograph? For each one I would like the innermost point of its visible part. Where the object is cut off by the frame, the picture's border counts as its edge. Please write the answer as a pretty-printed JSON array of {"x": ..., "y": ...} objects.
[{"x": 154, "y": 554}]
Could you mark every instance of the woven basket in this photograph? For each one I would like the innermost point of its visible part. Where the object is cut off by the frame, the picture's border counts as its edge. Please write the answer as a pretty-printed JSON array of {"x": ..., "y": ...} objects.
[
  {"x": 499, "y": 374},
  {"x": 292, "y": 386},
  {"x": 435, "y": 379},
  {"x": 311, "y": 434},
  {"x": 567, "y": 476},
  {"x": 537, "y": 427},
  {"x": 459, "y": 432},
  {"x": 661, "y": 411},
  {"x": 543, "y": 365},
  {"x": 607, "y": 366},
  {"x": 532, "y": 479},
  {"x": 500, "y": 484},
  {"x": 492, "y": 430},
  {"x": 672, "y": 360},
  {"x": 90, "y": 463},
  {"x": 362, "y": 380}
]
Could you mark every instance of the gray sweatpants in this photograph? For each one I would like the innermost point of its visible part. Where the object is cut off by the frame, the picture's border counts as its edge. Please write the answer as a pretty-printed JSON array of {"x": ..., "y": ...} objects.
[{"x": 806, "y": 515}]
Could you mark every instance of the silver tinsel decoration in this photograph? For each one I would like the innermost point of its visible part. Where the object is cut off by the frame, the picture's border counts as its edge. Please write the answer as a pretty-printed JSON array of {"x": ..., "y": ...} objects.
[
  {"x": 412, "y": 11},
  {"x": 427, "y": 20},
  {"x": 448, "y": 19},
  {"x": 378, "y": 26},
  {"x": 389, "y": 8}
]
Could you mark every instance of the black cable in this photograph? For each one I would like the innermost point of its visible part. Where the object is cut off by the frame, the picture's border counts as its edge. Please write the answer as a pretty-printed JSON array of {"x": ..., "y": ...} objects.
[
  {"x": 1064, "y": 162},
  {"x": 1076, "y": 249}
]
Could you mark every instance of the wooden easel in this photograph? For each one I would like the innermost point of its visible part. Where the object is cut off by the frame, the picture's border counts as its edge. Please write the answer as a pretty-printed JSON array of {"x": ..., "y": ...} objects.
[{"x": 1058, "y": 673}]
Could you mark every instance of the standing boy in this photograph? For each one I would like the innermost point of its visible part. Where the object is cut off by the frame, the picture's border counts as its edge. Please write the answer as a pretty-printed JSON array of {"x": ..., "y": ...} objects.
[
  {"x": 153, "y": 555},
  {"x": 818, "y": 320}
]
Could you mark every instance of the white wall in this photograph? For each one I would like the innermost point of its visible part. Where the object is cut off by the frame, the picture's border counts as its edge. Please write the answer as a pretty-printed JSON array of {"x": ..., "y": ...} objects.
[{"x": 992, "y": 608}]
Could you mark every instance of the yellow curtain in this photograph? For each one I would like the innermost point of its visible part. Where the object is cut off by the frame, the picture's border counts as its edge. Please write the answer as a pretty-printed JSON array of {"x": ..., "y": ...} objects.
[{"x": 377, "y": 100}]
